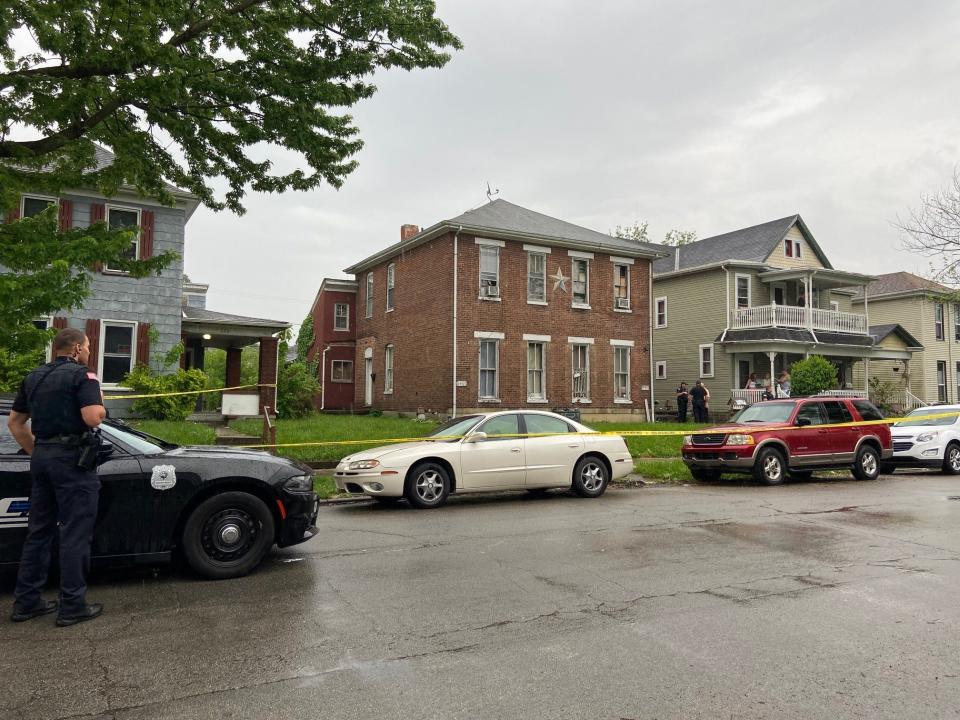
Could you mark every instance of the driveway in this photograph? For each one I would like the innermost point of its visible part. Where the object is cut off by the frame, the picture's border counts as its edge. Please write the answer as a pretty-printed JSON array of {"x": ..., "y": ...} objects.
[{"x": 829, "y": 598}]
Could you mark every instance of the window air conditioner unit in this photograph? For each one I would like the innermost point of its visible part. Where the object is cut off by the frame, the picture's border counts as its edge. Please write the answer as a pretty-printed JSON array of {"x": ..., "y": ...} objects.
[
  {"x": 491, "y": 291},
  {"x": 623, "y": 303}
]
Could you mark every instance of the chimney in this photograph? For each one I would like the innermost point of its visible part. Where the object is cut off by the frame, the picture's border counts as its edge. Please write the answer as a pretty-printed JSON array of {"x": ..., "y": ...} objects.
[
  {"x": 408, "y": 231},
  {"x": 676, "y": 258}
]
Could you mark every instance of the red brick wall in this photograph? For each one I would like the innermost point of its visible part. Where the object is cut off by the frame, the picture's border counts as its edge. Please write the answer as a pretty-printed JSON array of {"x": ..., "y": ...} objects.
[
  {"x": 341, "y": 346},
  {"x": 323, "y": 331},
  {"x": 420, "y": 329}
]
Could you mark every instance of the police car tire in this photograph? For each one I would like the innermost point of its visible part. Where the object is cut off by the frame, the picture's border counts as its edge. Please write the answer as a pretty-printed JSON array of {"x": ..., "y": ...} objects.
[{"x": 243, "y": 505}]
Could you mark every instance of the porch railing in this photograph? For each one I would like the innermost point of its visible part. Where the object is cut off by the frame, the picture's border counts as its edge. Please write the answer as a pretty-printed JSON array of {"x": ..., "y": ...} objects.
[
  {"x": 903, "y": 398},
  {"x": 845, "y": 393},
  {"x": 789, "y": 316}
]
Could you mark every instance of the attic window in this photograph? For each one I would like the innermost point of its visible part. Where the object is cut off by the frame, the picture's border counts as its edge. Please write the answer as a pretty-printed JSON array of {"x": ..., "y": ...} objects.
[
  {"x": 788, "y": 247},
  {"x": 796, "y": 248}
]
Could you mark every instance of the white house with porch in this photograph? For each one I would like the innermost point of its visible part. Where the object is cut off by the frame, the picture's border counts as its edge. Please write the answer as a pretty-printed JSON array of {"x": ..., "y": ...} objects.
[{"x": 742, "y": 307}]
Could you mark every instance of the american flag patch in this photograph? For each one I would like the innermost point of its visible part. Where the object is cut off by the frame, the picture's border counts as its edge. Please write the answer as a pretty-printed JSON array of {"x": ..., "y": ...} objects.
[{"x": 92, "y": 376}]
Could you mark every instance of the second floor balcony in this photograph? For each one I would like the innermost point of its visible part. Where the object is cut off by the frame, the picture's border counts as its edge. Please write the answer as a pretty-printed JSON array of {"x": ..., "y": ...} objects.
[{"x": 788, "y": 316}]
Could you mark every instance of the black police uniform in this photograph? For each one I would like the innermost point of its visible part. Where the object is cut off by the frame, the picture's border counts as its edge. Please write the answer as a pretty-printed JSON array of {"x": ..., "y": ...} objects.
[
  {"x": 683, "y": 396},
  {"x": 60, "y": 491}
]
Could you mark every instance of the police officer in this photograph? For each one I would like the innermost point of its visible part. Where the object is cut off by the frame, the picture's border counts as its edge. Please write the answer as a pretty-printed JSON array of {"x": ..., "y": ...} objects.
[
  {"x": 62, "y": 399},
  {"x": 683, "y": 397}
]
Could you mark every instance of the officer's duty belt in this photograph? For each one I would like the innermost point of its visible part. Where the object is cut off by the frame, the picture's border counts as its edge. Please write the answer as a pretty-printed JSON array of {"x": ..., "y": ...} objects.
[{"x": 69, "y": 440}]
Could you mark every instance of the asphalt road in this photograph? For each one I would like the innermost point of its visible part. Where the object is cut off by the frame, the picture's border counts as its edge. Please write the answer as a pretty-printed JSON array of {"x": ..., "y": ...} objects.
[{"x": 825, "y": 599}]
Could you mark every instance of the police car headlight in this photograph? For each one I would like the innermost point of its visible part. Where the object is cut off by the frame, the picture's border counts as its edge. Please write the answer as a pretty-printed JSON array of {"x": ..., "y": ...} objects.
[
  {"x": 363, "y": 465},
  {"x": 688, "y": 439},
  {"x": 301, "y": 484},
  {"x": 739, "y": 439},
  {"x": 927, "y": 436}
]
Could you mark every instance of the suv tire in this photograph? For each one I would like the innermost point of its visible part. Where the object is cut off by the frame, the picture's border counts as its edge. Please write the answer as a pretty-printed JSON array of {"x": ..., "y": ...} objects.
[
  {"x": 867, "y": 464},
  {"x": 951, "y": 459},
  {"x": 770, "y": 467}
]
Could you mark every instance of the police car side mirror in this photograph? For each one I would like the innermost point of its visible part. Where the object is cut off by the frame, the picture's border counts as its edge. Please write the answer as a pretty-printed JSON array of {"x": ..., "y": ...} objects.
[{"x": 105, "y": 451}]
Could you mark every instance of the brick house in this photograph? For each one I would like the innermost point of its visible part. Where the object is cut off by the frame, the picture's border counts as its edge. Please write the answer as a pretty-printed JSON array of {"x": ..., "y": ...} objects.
[
  {"x": 532, "y": 312},
  {"x": 334, "y": 312}
]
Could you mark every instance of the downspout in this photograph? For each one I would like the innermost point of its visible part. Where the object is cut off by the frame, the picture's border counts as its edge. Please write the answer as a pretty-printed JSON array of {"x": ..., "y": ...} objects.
[
  {"x": 456, "y": 239},
  {"x": 323, "y": 371},
  {"x": 651, "y": 311}
]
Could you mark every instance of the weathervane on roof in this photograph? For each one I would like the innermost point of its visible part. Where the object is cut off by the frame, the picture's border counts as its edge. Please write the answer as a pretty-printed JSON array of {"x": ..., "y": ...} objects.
[{"x": 492, "y": 193}]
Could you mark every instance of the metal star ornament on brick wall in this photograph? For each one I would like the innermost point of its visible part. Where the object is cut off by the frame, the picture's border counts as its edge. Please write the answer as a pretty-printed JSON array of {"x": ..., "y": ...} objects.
[{"x": 559, "y": 281}]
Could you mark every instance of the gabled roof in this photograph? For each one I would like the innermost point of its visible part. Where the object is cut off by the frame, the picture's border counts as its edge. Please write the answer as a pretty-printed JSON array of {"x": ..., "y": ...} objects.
[
  {"x": 209, "y": 316},
  {"x": 751, "y": 244},
  {"x": 880, "y": 332},
  {"x": 901, "y": 283},
  {"x": 502, "y": 219}
]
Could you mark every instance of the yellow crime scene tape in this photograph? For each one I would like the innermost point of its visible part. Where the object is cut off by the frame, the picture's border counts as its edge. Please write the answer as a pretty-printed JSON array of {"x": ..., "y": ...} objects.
[{"x": 743, "y": 430}]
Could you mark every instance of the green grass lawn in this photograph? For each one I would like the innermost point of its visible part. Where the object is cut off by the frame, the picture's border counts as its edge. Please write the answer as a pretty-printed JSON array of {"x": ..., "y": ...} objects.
[
  {"x": 324, "y": 486},
  {"x": 663, "y": 471},
  {"x": 179, "y": 433},
  {"x": 667, "y": 446}
]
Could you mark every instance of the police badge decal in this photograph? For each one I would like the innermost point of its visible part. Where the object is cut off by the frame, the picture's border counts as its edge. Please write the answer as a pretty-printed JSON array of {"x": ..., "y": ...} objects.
[{"x": 163, "y": 477}]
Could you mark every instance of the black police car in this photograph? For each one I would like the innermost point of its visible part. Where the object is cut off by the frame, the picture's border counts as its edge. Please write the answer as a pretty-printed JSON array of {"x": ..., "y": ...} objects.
[{"x": 221, "y": 508}]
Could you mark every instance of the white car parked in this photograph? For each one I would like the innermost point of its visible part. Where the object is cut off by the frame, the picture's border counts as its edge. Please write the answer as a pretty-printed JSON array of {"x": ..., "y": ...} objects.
[
  {"x": 920, "y": 441},
  {"x": 512, "y": 450}
]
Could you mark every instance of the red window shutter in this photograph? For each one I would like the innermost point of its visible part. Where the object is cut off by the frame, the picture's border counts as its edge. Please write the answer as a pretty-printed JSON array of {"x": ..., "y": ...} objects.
[
  {"x": 66, "y": 215},
  {"x": 93, "y": 334},
  {"x": 146, "y": 234},
  {"x": 143, "y": 344},
  {"x": 98, "y": 213}
]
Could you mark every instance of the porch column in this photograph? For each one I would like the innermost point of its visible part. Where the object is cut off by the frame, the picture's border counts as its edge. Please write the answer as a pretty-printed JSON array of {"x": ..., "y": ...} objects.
[
  {"x": 808, "y": 305},
  {"x": 268, "y": 372},
  {"x": 232, "y": 378},
  {"x": 773, "y": 380},
  {"x": 866, "y": 376}
]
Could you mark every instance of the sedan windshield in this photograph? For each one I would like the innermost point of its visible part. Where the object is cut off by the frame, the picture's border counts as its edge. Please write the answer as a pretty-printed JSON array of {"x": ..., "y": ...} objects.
[
  {"x": 140, "y": 442},
  {"x": 921, "y": 417},
  {"x": 766, "y": 412},
  {"x": 456, "y": 427}
]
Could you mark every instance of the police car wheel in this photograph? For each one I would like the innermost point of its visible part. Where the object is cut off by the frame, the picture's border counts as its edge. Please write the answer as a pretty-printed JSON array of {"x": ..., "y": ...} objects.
[{"x": 227, "y": 535}]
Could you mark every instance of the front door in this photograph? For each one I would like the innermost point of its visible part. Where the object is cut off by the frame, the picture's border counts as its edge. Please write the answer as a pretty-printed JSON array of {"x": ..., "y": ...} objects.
[
  {"x": 496, "y": 462},
  {"x": 809, "y": 444},
  {"x": 743, "y": 373},
  {"x": 368, "y": 381}
]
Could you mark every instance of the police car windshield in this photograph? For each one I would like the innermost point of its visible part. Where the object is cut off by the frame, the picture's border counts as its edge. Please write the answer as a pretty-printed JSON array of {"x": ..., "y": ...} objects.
[
  {"x": 139, "y": 441},
  {"x": 922, "y": 417},
  {"x": 456, "y": 427},
  {"x": 766, "y": 412}
]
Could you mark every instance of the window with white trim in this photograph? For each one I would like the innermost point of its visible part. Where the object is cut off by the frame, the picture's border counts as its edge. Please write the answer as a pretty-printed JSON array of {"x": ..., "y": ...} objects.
[
  {"x": 388, "y": 370},
  {"x": 32, "y": 205},
  {"x": 341, "y": 316},
  {"x": 661, "y": 370},
  {"x": 580, "y": 281},
  {"x": 621, "y": 286},
  {"x": 835, "y": 305},
  {"x": 621, "y": 372},
  {"x": 743, "y": 291},
  {"x": 706, "y": 360},
  {"x": 536, "y": 373},
  {"x": 788, "y": 247},
  {"x": 489, "y": 271},
  {"x": 536, "y": 277},
  {"x": 580, "y": 370},
  {"x": 117, "y": 341},
  {"x": 391, "y": 275},
  {"x": 796, "y": 249},
  {"x": 341, "y": 371},
  {"x": 489, "y": 360},
  {"x": 121, "y": 219},
  {"x": 956, "y": 323},
  {"x": 369, "y": 294},
  {"x": 942, "y": 381},
  {"x": 938, "y": 320},
  {"x": 661, "y": 305}
]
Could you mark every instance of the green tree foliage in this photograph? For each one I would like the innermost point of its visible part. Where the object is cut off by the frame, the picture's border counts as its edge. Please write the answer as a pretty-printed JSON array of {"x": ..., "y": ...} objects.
[
  {"x": 812, "y": 375},
  {"x": 678, "y": 238},
  {"x": 194, "y": 94},
  {"x": 305, "y": 338},
  {"x": 297, "y": 386},
  {"x": 177, "y": 407},
  {"x": 638, "y": 232}
]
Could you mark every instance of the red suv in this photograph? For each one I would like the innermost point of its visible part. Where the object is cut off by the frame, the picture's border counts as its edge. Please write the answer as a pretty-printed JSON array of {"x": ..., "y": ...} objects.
[{"x": 774, "y": 439}]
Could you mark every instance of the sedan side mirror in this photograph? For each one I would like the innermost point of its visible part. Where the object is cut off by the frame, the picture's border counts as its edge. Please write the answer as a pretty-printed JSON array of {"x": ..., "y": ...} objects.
[
  {"x": 475, "y": 437},
  {"x": 803, "y": 422}
]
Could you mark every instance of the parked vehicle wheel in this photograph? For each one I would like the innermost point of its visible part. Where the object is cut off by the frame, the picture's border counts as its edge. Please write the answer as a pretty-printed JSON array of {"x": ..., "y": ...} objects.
[
  {"x": 887, "y": 468},
  {"x": 800, "y": 475},
  {"x": 429, "y": 486},
  {"x": 227, "y": 535},
  {"x": 770, "y": 467},
  {"x": 867, "y": 464},
  {"x": 590, "y": 477},
  {"x": 705, "y": 474},
  {"x": 951, "y": 459}
]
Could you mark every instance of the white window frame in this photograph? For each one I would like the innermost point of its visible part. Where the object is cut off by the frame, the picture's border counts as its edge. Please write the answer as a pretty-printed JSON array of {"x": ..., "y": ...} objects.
[
  {"x": 712, "y": 361},
  {"x": 585, "y": 305},
  {"x": 495, "y": 369},
  {"x": 135, "y": 327},
  {"x": 542, "y": 397},
  {"x": 797, "y": 247},
  {"x": 35, "y": 196},
  {"x": 530, "y": 255},
  {"x": 488, "y": 246},
  {"x": 48, "y": 348},
  {"x": 656, "y": 312},
  {"x": 626, "y": 348},
  {"x": 736, "y": 290},
  {"x": 942, "y": 396},
  {"x": 585, "y": 397},
  {"x": 391, "y": 283},
  {"x": 616, "y": 269},
  {"x": 835, "y": 305},
  {"x": 344, "y": 363},
  {"x": 956, "y": 324},
  {"x": 136, "y": 237},
  {"x": 661, "y": 370},
  {"x": 369, "y": 295},
  {"x": 788, "y": 247},
  {"x": 388, "y": 357},
  {"x": 346, "y": 317},
  {"x": 939, "y": 329}
]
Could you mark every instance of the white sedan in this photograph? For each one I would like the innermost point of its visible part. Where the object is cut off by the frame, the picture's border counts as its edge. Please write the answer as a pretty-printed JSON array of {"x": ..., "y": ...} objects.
[{"x": 512, "y": 450}]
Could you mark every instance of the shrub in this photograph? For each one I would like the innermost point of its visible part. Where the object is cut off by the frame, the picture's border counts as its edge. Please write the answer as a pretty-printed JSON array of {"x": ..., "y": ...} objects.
[
  {"x": 296, "y": 387},
  {"x": 811, "y": 376},
  {"x": 177, "y": 407}
]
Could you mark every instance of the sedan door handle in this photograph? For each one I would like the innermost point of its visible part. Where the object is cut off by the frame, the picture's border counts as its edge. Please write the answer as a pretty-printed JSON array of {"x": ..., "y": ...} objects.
[
  {"x": 573, "y": 446},
  {"x": 514, "y": 449}
]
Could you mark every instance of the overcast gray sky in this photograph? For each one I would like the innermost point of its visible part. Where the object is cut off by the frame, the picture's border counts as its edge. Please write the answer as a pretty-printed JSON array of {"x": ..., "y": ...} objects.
[{"x": 697, "y": 115}]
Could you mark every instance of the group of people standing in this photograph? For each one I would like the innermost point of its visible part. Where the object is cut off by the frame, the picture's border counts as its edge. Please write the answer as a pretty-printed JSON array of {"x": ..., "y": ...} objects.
[{"x": 699, "y": 396}]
